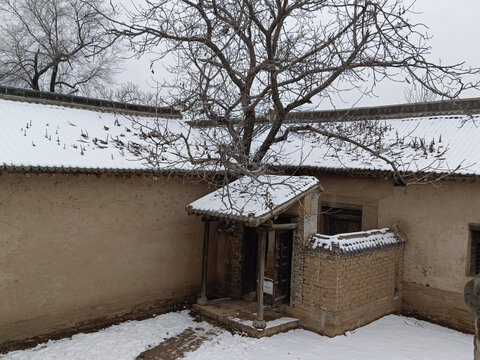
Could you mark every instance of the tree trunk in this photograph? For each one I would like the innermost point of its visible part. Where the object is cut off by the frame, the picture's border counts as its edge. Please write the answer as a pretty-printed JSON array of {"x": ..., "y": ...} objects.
[
  {"x": 34, "y": 83},
  {"x": 53, "y": 78},
  {"x": 36, "y": 75},
  {"x": 248, "y": 133}
]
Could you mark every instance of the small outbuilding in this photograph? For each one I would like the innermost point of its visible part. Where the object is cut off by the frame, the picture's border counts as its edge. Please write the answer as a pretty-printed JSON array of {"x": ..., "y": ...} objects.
[
  {"x": 258, "y": 220},
  {"x": 275, "y": 272}
]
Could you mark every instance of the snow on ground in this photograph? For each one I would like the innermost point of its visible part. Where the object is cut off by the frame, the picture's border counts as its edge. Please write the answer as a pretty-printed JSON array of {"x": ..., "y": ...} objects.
[
  {"x": 392, "y": 337},
  {"x": 119, "y": 342}
]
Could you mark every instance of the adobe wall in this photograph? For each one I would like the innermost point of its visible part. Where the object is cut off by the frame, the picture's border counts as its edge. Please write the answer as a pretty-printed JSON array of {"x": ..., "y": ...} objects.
[
  {"x": 343, "y": 292},
  {"x": 77, "y": 249},
  {"x": 435, "y": 222}
]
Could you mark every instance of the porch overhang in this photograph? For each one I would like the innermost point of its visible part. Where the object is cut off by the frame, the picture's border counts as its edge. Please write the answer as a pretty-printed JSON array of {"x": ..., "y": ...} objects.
[{"x": 254, "y": 201}]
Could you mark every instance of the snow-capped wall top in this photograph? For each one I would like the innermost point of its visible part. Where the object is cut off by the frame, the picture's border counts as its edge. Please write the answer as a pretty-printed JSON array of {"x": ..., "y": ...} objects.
[
  {"x": 356, "y": 242},
  {"x": 254, "y": 201}
]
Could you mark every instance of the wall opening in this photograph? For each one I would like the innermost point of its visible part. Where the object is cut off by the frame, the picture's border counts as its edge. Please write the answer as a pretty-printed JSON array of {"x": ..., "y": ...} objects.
[
  {"x": 341, "y": 218},
  {"x": 474, "y": 250}
]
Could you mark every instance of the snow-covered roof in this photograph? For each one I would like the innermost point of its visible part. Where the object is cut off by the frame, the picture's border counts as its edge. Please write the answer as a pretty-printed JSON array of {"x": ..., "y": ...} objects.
[
  {"x": 254, "y": 200},
  {"x": 356, "y": 242},
  {"x": 437, "y": 144},
  {"x": 48, "y": 137}
]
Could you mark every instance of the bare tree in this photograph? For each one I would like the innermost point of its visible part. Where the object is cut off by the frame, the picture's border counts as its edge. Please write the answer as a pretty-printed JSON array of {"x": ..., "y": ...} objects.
[
  {"x": 247, "y": 65},
  {"x": 416, "y": 93},
  {"x": 55, "y": 45},
  {"x": 129, "y": 92}
]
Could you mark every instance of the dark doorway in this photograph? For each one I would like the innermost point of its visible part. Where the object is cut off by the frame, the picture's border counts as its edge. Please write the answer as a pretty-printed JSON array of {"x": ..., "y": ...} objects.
[
  {"x": 283, "y": 265},
  {"x": 250, "y": 253}
]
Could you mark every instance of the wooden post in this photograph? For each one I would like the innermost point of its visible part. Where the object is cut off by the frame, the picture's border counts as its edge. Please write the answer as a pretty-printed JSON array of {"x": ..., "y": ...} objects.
[
  {"x": 259, "y": 323},
  {"x": 206, "y": 237}
]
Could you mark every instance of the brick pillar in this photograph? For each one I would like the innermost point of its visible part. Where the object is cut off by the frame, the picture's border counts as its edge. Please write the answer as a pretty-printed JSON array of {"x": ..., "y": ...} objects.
[
  {"x": 296, "y": 284},
  {"x": 310, "y": 219},
  {"x": 307, "y": 226},
  {"x": 237, "y": 256}
]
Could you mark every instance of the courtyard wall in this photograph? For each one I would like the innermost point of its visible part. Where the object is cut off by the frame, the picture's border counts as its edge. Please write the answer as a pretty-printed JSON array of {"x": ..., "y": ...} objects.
[{"x": 78, "y": 249}]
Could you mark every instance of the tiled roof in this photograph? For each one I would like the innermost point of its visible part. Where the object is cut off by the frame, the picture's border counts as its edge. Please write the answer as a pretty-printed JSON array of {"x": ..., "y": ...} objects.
[
  {"x": 38, "y": 135},
  {"x": 81, "y": 102},
  {"x": 399, "y": 111},
  {"x": 45, "y": 137},
  {"x": 254, "y": 201},
  {"x": 445, "y": 142},
  {"x": 356, "y": 242}
]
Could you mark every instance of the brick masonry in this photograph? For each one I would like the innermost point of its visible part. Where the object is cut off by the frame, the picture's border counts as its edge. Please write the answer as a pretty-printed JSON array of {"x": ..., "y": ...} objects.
[
  {"x": 335, "y": 293},
  {"x": 229, "y": 262}
]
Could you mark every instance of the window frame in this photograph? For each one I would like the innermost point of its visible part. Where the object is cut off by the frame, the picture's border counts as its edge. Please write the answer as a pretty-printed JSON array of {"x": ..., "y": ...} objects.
[
  {"x": 339, "y": 206},
  {"x": 474, "y": 244}
]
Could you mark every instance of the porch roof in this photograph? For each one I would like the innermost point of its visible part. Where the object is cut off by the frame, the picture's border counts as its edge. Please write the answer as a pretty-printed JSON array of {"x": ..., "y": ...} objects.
[{"x": 254, "y": 201}]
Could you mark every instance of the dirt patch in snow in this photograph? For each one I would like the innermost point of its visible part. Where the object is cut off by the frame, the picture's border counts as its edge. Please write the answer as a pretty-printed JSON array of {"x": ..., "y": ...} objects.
[{"x": 175, "y": 347}]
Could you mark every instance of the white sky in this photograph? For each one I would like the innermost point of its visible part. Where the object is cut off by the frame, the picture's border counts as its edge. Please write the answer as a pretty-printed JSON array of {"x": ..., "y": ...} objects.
[{"x": 454, "y": 26}]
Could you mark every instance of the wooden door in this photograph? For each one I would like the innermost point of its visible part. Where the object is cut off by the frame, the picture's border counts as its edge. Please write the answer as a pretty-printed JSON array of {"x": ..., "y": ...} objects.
[
  {"x": 283, "y": 265},
  {"x": 250, "y": 254}
]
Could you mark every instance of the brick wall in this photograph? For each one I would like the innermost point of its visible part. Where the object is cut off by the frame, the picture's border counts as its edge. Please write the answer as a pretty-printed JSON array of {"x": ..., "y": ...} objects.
[
  {"x": 333, "y": 293},
  {"x": 229, "y": 262}
]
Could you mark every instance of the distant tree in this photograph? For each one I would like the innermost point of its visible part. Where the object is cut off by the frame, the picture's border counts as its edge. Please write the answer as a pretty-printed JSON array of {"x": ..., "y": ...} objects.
[
  {"x": 129, "y": 92},
  {"x": 247, "y": 65},
  {"x": 419, "y": 94},
  {"x": 55, "y": 45}
]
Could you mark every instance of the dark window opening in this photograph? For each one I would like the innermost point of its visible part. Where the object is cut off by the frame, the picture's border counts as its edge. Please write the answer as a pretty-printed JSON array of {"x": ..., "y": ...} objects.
[
  {"x": 475, "y": 251},
  {"x": 339, "y": 218}
]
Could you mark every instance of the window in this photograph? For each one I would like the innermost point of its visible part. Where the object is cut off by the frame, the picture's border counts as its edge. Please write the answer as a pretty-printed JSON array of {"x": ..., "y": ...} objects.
[
  {"x": 341, "y": 218},
  {"x": 475, "y": 250}
]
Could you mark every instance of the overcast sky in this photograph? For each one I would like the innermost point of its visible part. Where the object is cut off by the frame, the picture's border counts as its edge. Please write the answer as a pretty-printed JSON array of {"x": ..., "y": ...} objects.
[{"x": 455, "y": 28}]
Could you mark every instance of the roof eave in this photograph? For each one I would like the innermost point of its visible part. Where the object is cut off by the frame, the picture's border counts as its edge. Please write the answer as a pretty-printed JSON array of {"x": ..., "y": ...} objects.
[{"x": 252, "y": 221}]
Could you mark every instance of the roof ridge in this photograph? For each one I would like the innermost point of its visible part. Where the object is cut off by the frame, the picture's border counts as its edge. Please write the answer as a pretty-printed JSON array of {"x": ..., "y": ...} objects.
[
  {"x": 81, "y": 102},
  {"x": 431, "y": 109},
  {"x": 424, "y": 109}
]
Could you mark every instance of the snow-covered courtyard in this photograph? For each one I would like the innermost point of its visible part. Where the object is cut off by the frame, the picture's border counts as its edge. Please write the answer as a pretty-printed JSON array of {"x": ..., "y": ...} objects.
[{"x": 392, "y": 337}]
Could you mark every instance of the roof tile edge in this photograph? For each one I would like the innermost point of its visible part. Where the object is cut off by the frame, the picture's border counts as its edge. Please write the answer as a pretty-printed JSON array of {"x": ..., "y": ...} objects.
[
  {"x": 467, "y": 106},
  {"x": 80, "y": 102},
  {"x": 433, "y": 108}
]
